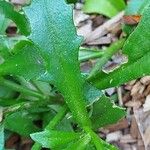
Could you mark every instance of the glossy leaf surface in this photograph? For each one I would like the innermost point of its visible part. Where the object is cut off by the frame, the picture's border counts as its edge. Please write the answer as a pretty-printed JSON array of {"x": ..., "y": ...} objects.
[
  {"x": 50, "y": 139},
  {"x": 59, "y": 43}
]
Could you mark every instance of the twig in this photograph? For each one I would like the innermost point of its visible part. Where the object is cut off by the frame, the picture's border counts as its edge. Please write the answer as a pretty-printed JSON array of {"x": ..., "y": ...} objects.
[{"x": 104, "y": 29}]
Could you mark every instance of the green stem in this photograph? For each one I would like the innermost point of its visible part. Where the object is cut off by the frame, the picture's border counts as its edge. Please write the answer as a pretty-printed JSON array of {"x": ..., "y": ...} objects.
[
  {"x": 89, "y": 54},
  {"x": 60, "y": 115},
  {"x": 21, "y": 89},
  {"x": 109, "y": 52},
  {"x": 95, "y": 138},
  {"x": 52, "y": 124}
]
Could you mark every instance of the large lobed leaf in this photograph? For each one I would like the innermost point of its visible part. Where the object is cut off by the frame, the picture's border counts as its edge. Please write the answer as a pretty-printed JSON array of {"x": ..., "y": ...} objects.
[
  {"x": 55, "y": 35},
  {"x": 138, "y": 52}
]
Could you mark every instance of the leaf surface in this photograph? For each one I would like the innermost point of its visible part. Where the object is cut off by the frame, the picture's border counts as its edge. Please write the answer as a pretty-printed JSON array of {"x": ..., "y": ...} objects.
[
  {"x": 8, "y": 10},
  {"x": 21, "y": 122},
  {"x": 108, "y": 8},
  {"x": 22, "y": 62},
  {"x": 105, "y": 112},
  {"x": 54, "y": 139},
  {"x": 55, "y": 34}
]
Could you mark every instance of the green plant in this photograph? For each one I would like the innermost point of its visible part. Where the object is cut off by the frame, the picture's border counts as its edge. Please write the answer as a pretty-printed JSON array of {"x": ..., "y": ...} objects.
[
  {"x": 108, "y": 8},
  {"x": 42, "y": 66}
]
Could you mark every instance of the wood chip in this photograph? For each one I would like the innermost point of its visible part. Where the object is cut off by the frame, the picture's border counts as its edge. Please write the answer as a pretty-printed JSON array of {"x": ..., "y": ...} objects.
[
  {"x": 127, "y": 139},
  {"x": 122, "y": 124},
  {"x": 114, "y": 136},
  {"x": 146, "y": 105},
  {"x": 136, "y": 88},
  {"x": 135, "y": 104},
  {"x": 145, "y": 80},
  {"x": 101, "y": 41},
  {"x": 104, "y": 29},
  {"x": 147, "y": 91},
  {"x": 134, "y": 131}
]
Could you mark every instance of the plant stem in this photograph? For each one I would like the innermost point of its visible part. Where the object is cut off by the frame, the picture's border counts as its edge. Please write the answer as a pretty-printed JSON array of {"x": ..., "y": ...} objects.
[
  {"x": 52, "y": 124},
  {"x": 21, "y": 89},
  {"x": 89, "y": 54},
  {"x": 60, "y": 115},
  {"x": 96, "y": 139},
  {"x": 109, "y": 52}
]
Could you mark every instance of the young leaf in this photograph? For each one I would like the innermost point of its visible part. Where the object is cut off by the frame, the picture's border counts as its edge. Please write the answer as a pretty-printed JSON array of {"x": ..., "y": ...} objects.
[
  {"x": 21, "y": 122},
  {"x": 3, "y": 24},
  {"x": 106, "y": 113},
  {"x": 55, "y": 34},
  {"x": 72, "y": 1},
  {"x": 20, "y": 63},
  {"x": 8, "y": 10},
  {"x": 81, "y": 144},
  {"x": 108, "y": 8},
  {"x": 137, "y": 50},
  {"x": 54, "y": 139}
]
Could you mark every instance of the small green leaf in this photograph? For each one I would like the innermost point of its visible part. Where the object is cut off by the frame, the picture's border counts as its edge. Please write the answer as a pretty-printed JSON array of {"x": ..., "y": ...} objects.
[
  {"x": 54, "y": 139},
  {"x": 81, "y": 144},
  {"x": 21, "y": 122},
  {"x": 20, "y": 63},
  {"x": 2, "y": 142},
  {"x": 8, "y": 10},
  {"x": 92, "y": 94},
  {"x": 72, "y": 1},
  {"x": 3, "y": 24},
  {"x": 86, "y": 54},
  {"x": 108, "y": 8},
  {"x": 137, "y": 49},
  {"x": 9, "y": 102},
  {"x": 106, "y": 112}
]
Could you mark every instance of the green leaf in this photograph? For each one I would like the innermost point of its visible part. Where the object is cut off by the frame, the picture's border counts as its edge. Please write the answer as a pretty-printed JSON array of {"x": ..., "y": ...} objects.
[
  {"x": 86, "y": 54},
  {"x": 108, "y": 8},
  {"x": 54, "y": 139},
  {"x": 21, "y": 122},
  {"x": 72, "y": 1},
  {"x": 135, "y": 7},
  {"x": 59, "y": 43},
  {"x": 22, "y": 62},
  {"x": 9, "y": 102},
  {"x": 8, "y": 10},
  {"x": 105, "y": 112},
  {"x": 137, "y": 50},
  {"x": 2, "y": 142},
  {"x": 92, "y": 94},
  {"x": 3, "y": 24},
  {"x": 81, "y": 144},
  {"x": 6, "y": 92}
]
